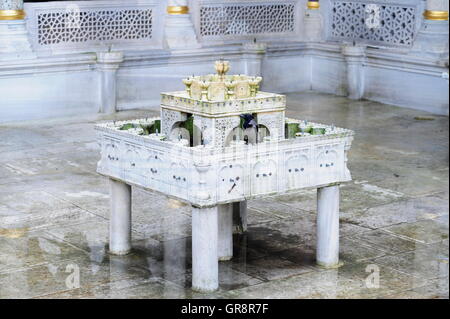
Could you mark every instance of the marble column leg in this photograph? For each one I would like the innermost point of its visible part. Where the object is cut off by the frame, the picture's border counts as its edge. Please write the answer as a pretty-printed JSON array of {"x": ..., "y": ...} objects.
[
  {"x": 205, "y": 265},
  {"x": 240, "y": 216},
  {"x": 328, "y": 226},
  {"x": 120, "y": 218},
  {"x": 108, "y": 92},
  {"x": 225, "y": 235}
]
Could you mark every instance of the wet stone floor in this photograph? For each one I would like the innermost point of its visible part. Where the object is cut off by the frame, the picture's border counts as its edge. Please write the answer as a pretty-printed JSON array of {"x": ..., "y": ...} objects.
[{"x": 394, "y": 217}]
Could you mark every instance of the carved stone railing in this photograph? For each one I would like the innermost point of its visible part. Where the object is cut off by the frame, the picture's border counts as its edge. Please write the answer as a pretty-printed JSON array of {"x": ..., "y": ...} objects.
[
  {"x": 83, "y": 26},
  {"x": 205, "y": 176},
  {"x": 222, "y": 20},
  {"x": 387, "y": 23},
  {"x": 91, "y": 25}
]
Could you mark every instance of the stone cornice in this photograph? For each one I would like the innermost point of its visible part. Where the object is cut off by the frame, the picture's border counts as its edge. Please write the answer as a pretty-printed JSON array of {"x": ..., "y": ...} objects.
[
  {"x": 388, "y": 58},
  {"x": 190, "y": 56},
  {"x": 379, "y": 57},
  {"x": 54, "y": 64}
]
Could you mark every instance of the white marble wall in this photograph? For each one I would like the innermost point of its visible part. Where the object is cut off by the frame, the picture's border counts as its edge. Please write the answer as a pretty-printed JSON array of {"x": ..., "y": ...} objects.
[
  {"x": 63, "y": 85},
  {"x": 139, "y": 86},
  {"x": 50, "y": 95},
  {"x": 274, "y": 71},
  {"x": 427, "y": 92},
  {"x": 64, "y": 91},
  {"x": 141, "y": 79},
  {"x": 329, "y": 74}
]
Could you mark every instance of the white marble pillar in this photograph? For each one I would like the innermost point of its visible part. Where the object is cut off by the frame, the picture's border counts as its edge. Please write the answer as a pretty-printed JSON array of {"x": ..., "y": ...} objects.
[
  {"x": 252, "y": 56},
  {"x": 436, "y": 10},
  {"x": 354, "y": 56},
  {"x": 313, "y": 22},
  {"x": 225, "y": 229},
  {"x": 107, "y": 64},
  {"x": 179, "y": 29},
  {"x": 205, "y": 264},
  {"x": 120, "y": 218},
  {"x": 328, "y": 226},
  {"x": 14, "y": 41},
  {"x": 240, "y": 217},
  {"x": 432, "y": 39}
]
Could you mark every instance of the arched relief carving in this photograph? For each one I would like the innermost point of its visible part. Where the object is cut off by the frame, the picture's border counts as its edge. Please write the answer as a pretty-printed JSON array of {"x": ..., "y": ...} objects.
[
  {"x": 230, "y": 181},
  {"x": 235, "y": 132},
  {"x": 177, "y": 130},
  {"x": 297, "y": 170},
  {"x": 264, "y": 177},
  {"x": 327, "y": 158},
  {"x": 241, "y": 134},
  {"x": 180, "y": 129},
  {"x": 178, "y": 178},
  {"x": 274, "y": 122},
  {"x": 327, "y": 161},
  {"x": 169, "y": 118},
  {"x": 111, "y": 153},
  {"x": 153, "y": 168},
  {"x": 205, "y": 126},
  {"x": 223, "y": 127},
  {"x": 132, "y": 156},
  {"x": 263, "y": 131}
]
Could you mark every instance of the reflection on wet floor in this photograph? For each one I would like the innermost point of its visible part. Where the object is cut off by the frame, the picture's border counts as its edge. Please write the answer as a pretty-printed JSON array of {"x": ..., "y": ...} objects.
[
  {"x": 41, "y": 266},
  {"x": 394, "y": 219}
]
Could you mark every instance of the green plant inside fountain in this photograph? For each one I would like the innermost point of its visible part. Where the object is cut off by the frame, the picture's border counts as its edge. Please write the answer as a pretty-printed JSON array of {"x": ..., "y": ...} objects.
[
  {"x": 292, "y": 130},
  {"x": 147, "y": 128}
]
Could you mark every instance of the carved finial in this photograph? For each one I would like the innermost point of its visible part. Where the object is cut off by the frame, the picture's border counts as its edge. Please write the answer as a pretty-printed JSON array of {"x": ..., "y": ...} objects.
[{"x": 222, "y": 67}]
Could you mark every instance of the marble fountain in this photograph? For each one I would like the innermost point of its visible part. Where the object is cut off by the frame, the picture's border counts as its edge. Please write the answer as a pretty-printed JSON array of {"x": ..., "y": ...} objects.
[{"x": 217, "y": 144}]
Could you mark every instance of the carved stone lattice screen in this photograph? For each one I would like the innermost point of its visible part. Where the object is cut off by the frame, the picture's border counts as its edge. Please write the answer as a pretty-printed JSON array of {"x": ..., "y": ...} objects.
[
  {"x": 78, "y": 25},
  {"x": 222, "y": 20},
  {"x": 372, "y": 22}
]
